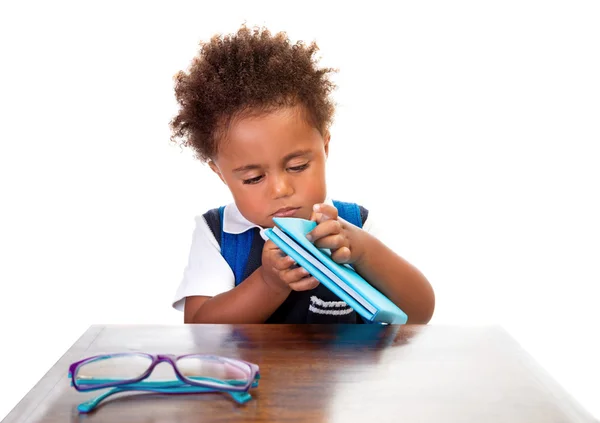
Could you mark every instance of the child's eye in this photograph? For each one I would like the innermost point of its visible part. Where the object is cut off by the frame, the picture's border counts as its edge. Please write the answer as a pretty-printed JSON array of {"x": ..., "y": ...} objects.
[
  {"x": 253, "y": 180},
  {"x": 298, "y": 168}
]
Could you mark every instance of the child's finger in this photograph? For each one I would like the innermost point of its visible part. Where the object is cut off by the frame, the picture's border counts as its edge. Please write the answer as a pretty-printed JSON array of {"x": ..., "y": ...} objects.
[
  {"x": 292, "y": 275},
  {"x": 325, "y": 212},
  {"x": 304, "y": 284},
  {"x": 282, "y": 263},
  {"x": 316, "y": 217},
  {"x": 342, "y": 255},
  {"x": 323, "y": 229},
  {"x": 332, "y": 242},
  {"x": 270, "y": 245},
  {"x": 273, "y": 251}
]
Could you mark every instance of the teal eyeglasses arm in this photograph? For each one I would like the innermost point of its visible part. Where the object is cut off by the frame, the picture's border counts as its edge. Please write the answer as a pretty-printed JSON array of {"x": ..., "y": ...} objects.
[{"x": 163, "y": 387}]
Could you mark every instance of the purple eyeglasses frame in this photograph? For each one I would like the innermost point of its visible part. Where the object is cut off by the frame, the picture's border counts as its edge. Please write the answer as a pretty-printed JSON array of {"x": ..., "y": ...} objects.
[{"x": 250, "y": 368}]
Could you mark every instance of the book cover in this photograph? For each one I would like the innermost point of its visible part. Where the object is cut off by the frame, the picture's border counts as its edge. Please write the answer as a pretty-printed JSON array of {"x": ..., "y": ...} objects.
[{"x": 289, "y": 235}]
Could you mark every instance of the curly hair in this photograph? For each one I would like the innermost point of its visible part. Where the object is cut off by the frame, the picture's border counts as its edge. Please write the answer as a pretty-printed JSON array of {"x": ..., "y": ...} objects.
[{"x": 247, "y": 73}]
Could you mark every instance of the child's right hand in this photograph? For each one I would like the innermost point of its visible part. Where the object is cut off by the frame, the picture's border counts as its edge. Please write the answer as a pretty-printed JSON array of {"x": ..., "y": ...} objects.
[{"x": 280, "y": 272}]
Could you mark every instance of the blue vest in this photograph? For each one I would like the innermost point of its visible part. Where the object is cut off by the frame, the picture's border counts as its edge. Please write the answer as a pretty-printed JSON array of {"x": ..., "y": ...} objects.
[{"x": 243, "y": 253}]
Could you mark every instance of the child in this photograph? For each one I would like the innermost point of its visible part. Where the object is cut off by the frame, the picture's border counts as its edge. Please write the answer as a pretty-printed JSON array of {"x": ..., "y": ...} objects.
[{"x": 256, "y": 108}]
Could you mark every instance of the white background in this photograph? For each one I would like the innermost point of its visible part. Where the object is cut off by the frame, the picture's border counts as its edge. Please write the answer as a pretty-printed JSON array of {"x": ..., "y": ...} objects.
[{"x": 471, "y": 128}]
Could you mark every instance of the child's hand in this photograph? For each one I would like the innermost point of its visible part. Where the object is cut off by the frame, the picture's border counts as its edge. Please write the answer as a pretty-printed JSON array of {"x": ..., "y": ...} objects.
[
  {"x": 280, "y": 272},
  {"x": 334, "y": 233}
]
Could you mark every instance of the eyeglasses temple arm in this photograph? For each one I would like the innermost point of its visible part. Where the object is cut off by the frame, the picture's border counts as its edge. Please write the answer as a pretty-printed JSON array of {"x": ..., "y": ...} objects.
[{"x": 87, "y": 406}]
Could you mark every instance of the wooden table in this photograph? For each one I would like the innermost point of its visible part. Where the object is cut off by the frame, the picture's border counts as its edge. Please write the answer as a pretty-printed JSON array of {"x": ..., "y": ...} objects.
[{"x": 322, "y": 373}]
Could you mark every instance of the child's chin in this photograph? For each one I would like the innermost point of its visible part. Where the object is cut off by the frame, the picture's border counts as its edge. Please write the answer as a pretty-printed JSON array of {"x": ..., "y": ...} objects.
[{"x": 305, "y": 214}]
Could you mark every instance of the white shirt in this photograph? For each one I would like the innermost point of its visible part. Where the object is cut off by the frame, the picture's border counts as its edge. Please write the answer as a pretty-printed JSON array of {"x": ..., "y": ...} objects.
[{"x": 207, "y": 273}]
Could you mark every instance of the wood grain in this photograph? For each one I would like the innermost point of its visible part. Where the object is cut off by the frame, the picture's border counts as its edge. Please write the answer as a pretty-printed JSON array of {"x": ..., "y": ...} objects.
[{"x": 324, "y": 373}]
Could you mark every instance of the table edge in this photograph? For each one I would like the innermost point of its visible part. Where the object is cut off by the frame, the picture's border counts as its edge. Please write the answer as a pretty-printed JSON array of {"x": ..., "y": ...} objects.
[{"x": 23, "y": 409}]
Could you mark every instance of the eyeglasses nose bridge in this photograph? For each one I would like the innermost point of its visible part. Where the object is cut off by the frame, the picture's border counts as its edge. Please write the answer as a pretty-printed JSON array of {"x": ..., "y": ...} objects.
[{"x": 165, "y": 358}]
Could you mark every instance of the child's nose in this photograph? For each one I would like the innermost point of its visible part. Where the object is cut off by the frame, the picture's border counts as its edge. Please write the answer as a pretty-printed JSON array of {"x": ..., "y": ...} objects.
[{"x": 282, "y": 186}]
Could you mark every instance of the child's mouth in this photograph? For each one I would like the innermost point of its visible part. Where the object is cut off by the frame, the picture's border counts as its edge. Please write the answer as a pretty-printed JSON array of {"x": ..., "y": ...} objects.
[{"x": 286, "y": 212}]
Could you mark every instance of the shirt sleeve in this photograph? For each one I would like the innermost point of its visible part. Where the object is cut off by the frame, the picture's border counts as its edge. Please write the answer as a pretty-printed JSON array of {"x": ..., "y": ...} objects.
[
  {"x": 207, "y": 273},
  {"x": 373, "y": 226}
]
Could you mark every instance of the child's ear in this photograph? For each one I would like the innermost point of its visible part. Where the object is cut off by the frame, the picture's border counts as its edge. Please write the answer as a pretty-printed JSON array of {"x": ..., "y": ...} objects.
[
  {"x": 326, "y": 138},
  {"x": 215, "y": 169}
]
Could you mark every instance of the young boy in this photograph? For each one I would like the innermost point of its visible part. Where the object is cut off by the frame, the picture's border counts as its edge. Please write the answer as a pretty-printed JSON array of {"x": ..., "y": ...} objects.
[{"x": 256, "y": 108}]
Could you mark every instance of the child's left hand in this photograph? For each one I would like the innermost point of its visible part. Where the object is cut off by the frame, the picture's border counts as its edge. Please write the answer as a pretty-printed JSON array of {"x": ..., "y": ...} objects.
[{"x": 336, "y": 234}]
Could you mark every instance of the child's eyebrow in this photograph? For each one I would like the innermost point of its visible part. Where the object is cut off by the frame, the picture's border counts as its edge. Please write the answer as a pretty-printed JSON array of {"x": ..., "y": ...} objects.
[
  {"x": 246, "y": 167},
  {"x": 285, "y": 159},
  {"x": 296, "y": 154}
]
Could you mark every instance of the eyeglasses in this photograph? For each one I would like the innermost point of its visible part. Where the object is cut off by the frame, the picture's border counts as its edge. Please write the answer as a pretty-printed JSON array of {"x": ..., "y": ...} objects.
[{"x": 195, "y": 373}]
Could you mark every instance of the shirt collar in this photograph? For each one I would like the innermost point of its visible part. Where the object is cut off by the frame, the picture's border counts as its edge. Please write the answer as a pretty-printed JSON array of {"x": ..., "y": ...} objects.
[{"x": 235, "y": 223}]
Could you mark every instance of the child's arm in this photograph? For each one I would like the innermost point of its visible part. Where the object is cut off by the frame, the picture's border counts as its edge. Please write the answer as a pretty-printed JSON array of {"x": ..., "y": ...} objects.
[
  {"x": 254, "y": 300},
  {"x": 398, "y": 280}
]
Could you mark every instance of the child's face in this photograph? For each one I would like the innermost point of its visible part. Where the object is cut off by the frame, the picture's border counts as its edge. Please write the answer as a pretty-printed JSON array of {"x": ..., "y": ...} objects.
[{"x": 274, "y": 165}]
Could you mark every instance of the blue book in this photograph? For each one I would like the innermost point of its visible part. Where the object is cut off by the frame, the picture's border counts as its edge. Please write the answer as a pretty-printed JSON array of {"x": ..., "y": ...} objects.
[{"x": 289, "y": 234}]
